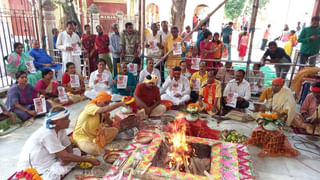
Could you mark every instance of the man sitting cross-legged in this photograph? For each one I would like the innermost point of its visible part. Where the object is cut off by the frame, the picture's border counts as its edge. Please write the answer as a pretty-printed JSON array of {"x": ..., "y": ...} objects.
[
  {"x": 147, "y": 96},
  {"x": 210, "y": 94},
  {"x": 177, "y": 88},
  {"x": 49, "y": 149},
  {"x": 240, "y": 88}
]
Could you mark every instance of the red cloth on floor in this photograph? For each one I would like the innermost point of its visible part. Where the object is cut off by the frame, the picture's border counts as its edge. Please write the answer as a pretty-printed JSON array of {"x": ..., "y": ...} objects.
[{"x": 198, "y": 128}]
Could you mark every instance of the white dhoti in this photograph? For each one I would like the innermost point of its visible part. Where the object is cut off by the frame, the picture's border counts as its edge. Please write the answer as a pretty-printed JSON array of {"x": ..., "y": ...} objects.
[
  {"x": 176, "y": 100},
  {"x": 97, "y": 88},
  {"x": 56, "y": 170}
]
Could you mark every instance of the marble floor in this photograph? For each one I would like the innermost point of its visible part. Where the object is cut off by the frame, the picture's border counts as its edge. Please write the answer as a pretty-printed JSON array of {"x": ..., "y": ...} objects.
[{"x": 304, "y": 166}]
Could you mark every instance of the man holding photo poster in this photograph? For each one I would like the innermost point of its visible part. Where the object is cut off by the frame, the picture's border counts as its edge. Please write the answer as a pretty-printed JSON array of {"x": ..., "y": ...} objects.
[
  {"x": 125, "y": 82},
  {"x": 238, "y": 90}
]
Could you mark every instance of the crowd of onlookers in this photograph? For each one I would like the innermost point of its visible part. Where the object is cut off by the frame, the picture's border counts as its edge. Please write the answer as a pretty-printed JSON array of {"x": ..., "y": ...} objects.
[{"x": 114, "y": 64}]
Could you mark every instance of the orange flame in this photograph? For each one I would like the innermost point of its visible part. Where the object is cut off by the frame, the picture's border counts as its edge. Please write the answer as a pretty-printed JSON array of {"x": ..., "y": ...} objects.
[{"x": 179, "y": 151}]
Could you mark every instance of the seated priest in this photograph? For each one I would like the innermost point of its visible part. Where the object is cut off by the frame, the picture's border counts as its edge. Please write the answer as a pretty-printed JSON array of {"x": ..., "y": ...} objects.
[
  {"x": 210, "y": 94},
  {"x": 237, "y": 93},
  {"x": 100, "y": 80},
  {"x": 310, "y": 112},
  {"x": 147, "y": 96},
  {"x": 177, "y": 88},
  {"x": 92, "y": 131},
  {"x": 196, "y": 80},
  {"x": 49, "y": 149},
  {"x": 41, "y": 59},
  {"x": 279, "y": 99},
  {"x": 125, "y": 82}
]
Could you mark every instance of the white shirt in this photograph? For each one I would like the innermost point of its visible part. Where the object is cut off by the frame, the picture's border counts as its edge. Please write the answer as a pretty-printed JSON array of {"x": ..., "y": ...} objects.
[
  {"x": 243, "y": 89},
  {"x": 257, "y": 78},
  {"x": 153, "y": 39},
  {"x": 163, "y": 35},
  {"x": 41, "y": 147},
  {"x": 144, "y": 73},
  {"x": 173, "y": 87},
  {"x": 65, "y": 40},
  {"x": 101, "y": 86}
]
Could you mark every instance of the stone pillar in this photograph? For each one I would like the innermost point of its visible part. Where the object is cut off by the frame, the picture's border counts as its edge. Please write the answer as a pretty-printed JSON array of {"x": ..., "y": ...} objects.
[
  {"x": 94, "y": 16},
  {"x": 50, "y": 22},
  {"x": 120, "y": 20}
]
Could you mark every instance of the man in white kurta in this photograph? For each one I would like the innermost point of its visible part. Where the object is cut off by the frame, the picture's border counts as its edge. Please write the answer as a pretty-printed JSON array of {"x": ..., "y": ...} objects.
[
  {"x": 150, "y": 70},
  {"x": 177, "y": 88},
  {"x": 68, "y": 42},
  {"x": 154, "y": 44},
  {"x": 49, "y": 149},
  {"x": 100, "y": 80}
]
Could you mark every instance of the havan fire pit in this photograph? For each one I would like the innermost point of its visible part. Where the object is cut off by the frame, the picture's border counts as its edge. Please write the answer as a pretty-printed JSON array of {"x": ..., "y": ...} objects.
[{"x": 177, "y": 156}]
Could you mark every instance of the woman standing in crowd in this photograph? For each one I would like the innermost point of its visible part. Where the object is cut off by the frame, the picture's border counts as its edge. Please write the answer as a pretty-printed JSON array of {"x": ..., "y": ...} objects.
[
  {"x": 20, "y": 98},
  {"x": 292, "y": 42},
  {"x": 217, "y": 44},
  {"x": 88, "y": 43},
  {"x": 207, "y": 49},
  {"x": 17, "y": 62},
  {"x": 243, "y": 45},
  {"x": 74, "y": 93}
]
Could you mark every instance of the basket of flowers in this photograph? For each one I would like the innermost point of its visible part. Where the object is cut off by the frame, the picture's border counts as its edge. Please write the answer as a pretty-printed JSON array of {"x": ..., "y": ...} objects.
[{"x": 270, "y": 121}]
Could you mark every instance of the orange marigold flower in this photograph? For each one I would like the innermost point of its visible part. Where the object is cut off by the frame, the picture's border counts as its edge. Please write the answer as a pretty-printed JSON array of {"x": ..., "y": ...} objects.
[{"x": 274, "y": 116}]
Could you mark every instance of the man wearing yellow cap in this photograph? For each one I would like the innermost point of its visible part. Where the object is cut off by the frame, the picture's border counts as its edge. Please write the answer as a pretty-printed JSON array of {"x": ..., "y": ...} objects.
[
  {"x": 91, "y": 131},
  {"x": 147, "y": 96},
  {"x": 279, "y": 99}
]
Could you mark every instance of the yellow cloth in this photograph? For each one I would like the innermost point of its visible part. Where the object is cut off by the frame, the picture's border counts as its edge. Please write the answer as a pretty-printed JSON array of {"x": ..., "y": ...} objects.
[
  {"x": 293, "y": 39},
  {"x": 210, "y": 98},
  {"x": 168, "y": 45},
  {"x": 203, "y": 79},
  {"x": 282, "y": 101},
  {"x": 305, "y": 72},
  {"x": 87, "y": 124}
]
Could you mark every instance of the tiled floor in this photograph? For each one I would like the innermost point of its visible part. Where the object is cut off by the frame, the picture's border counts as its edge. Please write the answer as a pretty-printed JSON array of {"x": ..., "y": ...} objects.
[{"x": 305, "y": 166}]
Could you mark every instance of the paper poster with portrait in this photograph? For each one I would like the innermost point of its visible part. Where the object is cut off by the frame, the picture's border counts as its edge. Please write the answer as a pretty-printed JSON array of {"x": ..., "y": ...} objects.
[
  {"x": 195, "y": 84},
  {"x": 40, "y": 105},
  {"x": 232, "y": 99},
  {"x": 153, "y": 46},
  {"x": 74, "y": 81},
  {"x": 30, "y": 67},
  {"x": 254, "y": 87},
  {"x": 177, "y": 50},
  {"x": 195, "y": 63},
  {"x": 133, "y": 68},
  {"x": 62, "y": 94},
  {"x": 122, "y": 81},
  {"x": 76, "y": 49},
  {"x": 175, "y": 87}
]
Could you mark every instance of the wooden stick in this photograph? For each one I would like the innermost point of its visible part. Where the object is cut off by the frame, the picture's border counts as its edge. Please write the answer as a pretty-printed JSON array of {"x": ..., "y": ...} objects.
[
  {"x": 207, "y": 174},
  {"x": 130, "y": 174},
  {"x": 145, "y": 169},
  {"x": 194, "y": 29}
]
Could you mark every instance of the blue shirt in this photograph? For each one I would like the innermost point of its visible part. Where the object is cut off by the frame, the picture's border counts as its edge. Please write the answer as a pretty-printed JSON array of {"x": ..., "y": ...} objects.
[
  {"x": 55, "y": 38},
  {"x": 226, "y": 32},
  {"x": 41, "y": 57},
  {"x": 132, "y": 83},
  {"x": 115, "y": 46}
]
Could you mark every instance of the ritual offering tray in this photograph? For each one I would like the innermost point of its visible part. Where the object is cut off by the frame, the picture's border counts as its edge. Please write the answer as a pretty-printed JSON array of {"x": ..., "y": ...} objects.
[
  {"x": 111, "y": 156},
  {"x": 232, "y": 136}
]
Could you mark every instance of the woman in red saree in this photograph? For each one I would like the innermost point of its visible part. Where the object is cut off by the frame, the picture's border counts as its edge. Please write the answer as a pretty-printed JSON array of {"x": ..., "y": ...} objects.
[
  {"x": 88, "y": 43},
  {"x": 206, "y": 49}
]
